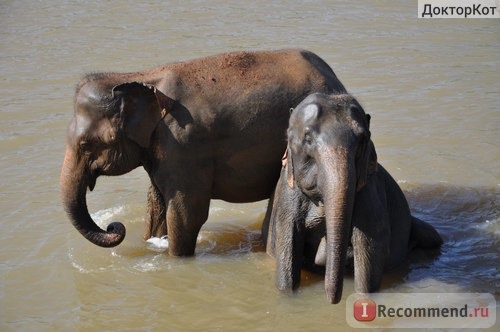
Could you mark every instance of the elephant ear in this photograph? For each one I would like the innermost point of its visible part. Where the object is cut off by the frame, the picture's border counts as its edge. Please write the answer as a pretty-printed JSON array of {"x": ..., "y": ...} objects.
[
  {"x": 142, "y": 107},
  {"x": 287, "y": 163},
  {"x": 366, "y": 163}
]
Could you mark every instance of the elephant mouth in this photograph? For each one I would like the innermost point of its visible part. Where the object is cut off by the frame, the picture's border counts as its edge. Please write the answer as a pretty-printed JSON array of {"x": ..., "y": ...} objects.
[
  {"x": 309, "y": 186},
  {"x": 92, "y": 178},
  {"x": 312, "y": 193},
  {"x": 91, "y": 183}
]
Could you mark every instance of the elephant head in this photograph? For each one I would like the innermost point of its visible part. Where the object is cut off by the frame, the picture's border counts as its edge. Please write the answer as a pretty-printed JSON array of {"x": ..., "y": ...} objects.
[
  {"x": 109, "y": 135},
  {"x": 330, "y": 156}
]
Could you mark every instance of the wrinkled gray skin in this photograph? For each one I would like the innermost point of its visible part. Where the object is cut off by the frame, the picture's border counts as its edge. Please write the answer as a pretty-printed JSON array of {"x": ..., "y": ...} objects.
[
  {"x": 213, "y": 127},
  {"x": 334, "y": 202}
]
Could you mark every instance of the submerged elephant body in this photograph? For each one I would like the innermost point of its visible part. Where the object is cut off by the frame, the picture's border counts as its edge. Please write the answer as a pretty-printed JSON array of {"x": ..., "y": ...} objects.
[
  {"x": 334, "y": 202},
  {"x": 208, "y": 128}
]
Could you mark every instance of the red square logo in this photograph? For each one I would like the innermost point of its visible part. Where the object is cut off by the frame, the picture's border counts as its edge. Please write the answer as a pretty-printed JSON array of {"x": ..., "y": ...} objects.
[{"x": 365, "y": 310}]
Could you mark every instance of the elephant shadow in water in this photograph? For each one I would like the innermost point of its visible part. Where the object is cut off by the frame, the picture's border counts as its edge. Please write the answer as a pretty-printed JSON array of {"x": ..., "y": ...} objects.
[{"x": 334, "y": 205}]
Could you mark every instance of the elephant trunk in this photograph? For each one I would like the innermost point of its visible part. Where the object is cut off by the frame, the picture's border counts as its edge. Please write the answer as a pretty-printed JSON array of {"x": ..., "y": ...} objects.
[
  {"x": 74, "y": 181},
  {"x": 338, "y": 195}
]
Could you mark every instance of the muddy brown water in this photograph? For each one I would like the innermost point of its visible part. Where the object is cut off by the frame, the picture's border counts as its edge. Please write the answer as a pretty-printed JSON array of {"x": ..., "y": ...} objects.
[{"x": 431, "y": 86}]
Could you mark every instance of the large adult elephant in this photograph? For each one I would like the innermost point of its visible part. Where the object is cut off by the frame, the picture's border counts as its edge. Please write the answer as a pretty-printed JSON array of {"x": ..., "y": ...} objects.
[
  {"x": 208, "y": 128},
  {"x": 332, "y": 188}
]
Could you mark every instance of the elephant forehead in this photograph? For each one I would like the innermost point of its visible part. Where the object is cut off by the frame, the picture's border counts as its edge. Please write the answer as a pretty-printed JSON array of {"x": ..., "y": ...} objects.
[
  {"x": 310, "y": 112},
  {"x": 82, "y": 124},
  {"x": 86, "y": 127},
  {"x": 305, "y": 112}
]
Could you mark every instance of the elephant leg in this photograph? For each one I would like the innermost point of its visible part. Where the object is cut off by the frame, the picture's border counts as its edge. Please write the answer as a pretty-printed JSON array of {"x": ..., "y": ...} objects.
[
  {"x": 371, "y": 238},
  {"x": 371, "y": 235},
  {"x": 156, "y": 224},
  {"x": 187, "y": 196},
  {"x": 369, "y": 259},
  {"x": 269, "y": 229},
  {"x": 289, "y": 253},
  {"x": 288, "y": 215},
  {"x": 185, "y": 217}
]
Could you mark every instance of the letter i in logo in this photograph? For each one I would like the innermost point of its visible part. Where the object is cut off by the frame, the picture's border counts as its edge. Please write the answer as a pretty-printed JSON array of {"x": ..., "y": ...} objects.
[{"x": 364, "y": 310}]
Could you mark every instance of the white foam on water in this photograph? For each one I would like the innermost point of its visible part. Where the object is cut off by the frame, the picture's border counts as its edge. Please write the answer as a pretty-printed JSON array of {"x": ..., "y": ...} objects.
[
  {"x": 80, "y": 265},
  {"x": 156, "y": 263},
  {"x": 104, "y": 217},
  {"x": 157, "y": 243}
]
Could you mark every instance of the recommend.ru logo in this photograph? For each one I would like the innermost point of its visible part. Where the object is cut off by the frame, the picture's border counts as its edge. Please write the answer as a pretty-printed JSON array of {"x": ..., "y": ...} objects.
[
  {"x": 421, "y": 310},
  {"x": 364, "y": 310}
]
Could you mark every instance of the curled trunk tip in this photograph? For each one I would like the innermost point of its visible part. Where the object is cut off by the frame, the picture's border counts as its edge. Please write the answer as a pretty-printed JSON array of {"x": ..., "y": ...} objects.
[
  {"x": 74, "y": 182},
  {"x": 114, "y": 235}
]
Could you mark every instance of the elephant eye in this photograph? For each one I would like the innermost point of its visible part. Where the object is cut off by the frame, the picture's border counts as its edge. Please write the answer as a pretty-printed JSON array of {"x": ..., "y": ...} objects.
[
  {"x": 307, "y": 136},
  {"x": 84, "y": 145},
  {"x": 87, "y": 145}
]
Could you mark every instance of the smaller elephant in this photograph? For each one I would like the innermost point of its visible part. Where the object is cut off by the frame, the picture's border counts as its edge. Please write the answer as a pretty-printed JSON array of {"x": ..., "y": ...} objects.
[{"x": 334, "y": 205}]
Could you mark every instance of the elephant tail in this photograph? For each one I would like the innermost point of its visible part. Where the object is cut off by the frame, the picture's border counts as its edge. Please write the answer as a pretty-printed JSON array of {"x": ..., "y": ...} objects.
[{"x": 424, "y": 235}]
